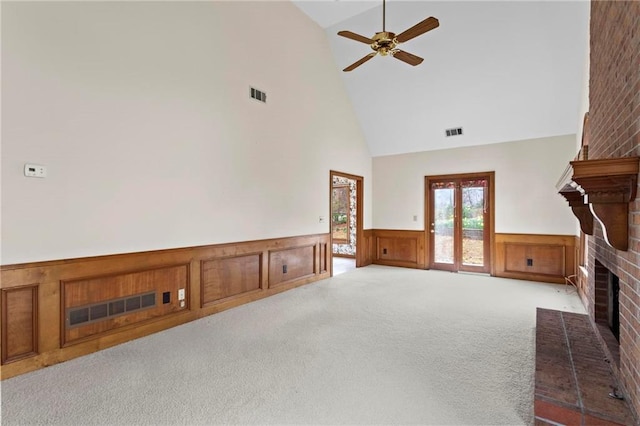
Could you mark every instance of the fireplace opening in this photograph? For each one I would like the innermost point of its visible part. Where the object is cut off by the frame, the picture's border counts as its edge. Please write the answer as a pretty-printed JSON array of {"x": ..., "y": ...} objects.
[
  {"x": 607, "y": 309},
  {"x": 613, "y": 308}
]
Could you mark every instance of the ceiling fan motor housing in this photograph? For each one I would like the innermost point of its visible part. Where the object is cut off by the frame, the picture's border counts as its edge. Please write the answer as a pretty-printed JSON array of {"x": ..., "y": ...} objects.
[{"x": 384, "y": 42}]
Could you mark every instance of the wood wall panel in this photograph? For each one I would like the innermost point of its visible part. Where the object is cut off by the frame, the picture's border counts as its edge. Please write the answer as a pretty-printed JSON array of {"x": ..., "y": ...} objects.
[
  {"x": 395, "y": 248},
  {"x": 231, "y": 276},
  {"x": 19, "y": 323},
  {"x": 89, "y": 291},
  {"x": 536, "y": 259},
  {"x": 73, "y": 282},
  {"x": 399, "y": 248},
  {"x": 323, "y": 256},
  {"x": 552, "y": 257},
  {"x": 368, "y": 248},
  {"x": 291, "y": 264}
]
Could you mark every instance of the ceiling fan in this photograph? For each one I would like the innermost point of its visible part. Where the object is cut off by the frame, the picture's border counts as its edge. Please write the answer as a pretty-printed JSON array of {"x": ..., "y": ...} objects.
[{"x": 384, "y": 43}]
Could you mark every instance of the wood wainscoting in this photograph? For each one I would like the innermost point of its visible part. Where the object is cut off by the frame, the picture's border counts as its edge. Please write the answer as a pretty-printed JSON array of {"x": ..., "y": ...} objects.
[
  {"x": 19, "y": 322},
  {"x": 399, "y": 248},
  {"x": 368, "y": 248},
  {"x": 57, "y": 310},
  {"x": 223, "y": 278},
  {"x": 93, "y": 306},
  {"x": 547, "y": 258}
]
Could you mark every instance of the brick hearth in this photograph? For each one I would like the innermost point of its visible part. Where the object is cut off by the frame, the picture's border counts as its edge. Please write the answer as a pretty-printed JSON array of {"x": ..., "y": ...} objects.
[{"x": 573, "y": 376}]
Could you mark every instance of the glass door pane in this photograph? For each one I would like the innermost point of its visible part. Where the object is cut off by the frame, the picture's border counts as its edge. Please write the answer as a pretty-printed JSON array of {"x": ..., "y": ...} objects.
[
  {"x": 340, "y": 210},
  {"x": 442, "y": 227},
  {"x": 474, "y": 209}
]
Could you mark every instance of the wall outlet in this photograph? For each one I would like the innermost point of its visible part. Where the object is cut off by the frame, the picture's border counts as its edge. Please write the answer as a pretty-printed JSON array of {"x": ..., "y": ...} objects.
[
  {"x": 181, "y": 294},
  {"x": 529, "y": 262},
  {"x": 35, "y": 170},
  {"x": 415, "y": 217},
  {"x": 321, "y": 219}
]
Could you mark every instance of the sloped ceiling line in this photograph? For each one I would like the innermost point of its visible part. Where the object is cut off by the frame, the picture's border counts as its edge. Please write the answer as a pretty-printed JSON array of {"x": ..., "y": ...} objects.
[{"x": 505, "y": 71}]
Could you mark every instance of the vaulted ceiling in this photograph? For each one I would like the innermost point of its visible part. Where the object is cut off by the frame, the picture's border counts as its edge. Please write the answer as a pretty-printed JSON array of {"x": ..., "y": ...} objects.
[{"x": 501, "y": 70}]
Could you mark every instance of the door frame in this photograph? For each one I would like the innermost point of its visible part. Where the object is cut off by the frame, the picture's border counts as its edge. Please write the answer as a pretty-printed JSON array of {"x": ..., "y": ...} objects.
[
  {"x": 492, "y": 203},
  {"x": 360, "y": 255}
]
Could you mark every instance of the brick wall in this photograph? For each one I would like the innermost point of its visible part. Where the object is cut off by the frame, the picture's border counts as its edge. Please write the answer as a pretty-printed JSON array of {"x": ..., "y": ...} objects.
[{"x": 614, "y": 115}]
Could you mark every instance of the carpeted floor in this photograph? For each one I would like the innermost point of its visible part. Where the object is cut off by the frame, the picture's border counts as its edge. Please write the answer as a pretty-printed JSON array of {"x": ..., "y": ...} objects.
[
  {"x": 374, "y": 345},
  {"x": 342, "y": 265}
]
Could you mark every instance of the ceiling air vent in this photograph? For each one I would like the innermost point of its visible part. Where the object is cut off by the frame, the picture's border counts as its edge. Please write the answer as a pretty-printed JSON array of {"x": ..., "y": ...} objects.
[
  {"x": 454, "y": 132},
  {"x": 258, "y": 95}
]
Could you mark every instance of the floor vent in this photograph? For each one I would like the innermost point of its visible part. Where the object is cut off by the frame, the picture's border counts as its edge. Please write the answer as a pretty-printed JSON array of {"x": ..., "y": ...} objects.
[
  {"x": 454, "y": 132},
  {"x": 84, "y": 315},
  {"x": 258, "y": 95}
]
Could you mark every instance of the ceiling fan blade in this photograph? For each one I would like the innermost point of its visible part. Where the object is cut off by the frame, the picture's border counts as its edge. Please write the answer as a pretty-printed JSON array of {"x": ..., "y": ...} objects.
[
  {"x": 407, "y": 57},
  {"x": 360, "y": 62},
  {"x": 418, "y": 29},
  {"x": 356, "y": 37}
]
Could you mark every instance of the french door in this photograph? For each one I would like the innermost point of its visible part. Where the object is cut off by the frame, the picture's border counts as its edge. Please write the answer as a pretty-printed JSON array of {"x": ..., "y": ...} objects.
[{"x": 459, "y": 220}]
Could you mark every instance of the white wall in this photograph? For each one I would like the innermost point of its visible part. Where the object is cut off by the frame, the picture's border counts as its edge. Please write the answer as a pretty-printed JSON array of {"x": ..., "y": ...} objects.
[
  {"x": 526, "y": 173},
  {"x": 584, "y": 91},
  {"x": 141, "y": 113}
]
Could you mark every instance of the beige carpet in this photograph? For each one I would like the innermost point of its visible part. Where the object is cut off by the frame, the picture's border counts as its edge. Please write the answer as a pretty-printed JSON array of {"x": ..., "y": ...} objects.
[
  {"x": 342, "y": 265},
  {"x": 376, "y": 345}
]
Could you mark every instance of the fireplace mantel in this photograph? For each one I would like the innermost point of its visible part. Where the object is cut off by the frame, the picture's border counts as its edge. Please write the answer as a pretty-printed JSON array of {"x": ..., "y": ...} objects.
[
  {"x": 579, "y": 208},
  {"x": 602, "y": 189}
]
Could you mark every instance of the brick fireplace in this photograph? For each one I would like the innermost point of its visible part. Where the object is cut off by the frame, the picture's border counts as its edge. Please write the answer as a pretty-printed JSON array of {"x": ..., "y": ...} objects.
[{"x": 614, "y": 131}]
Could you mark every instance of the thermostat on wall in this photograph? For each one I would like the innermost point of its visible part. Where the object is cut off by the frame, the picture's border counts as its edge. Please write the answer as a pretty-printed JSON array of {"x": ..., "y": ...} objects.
[{"x": 35, "y": 170}]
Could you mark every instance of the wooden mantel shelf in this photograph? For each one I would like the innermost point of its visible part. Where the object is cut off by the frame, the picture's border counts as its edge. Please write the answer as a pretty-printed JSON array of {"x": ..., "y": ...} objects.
[{"x": 606, "y": 186}]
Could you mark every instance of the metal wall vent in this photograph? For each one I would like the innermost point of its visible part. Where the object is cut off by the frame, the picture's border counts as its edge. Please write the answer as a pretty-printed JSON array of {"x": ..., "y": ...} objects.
[
  {"x": 454, "y": 132},
  {"x": 84, "y": 315},
  {"x": 258, "y": 95}
]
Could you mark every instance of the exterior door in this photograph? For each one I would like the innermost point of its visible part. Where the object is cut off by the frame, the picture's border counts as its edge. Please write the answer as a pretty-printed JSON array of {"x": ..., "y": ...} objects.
[
  {"x": 346, "y": 223},
  {"x": 459, "y": 222}
]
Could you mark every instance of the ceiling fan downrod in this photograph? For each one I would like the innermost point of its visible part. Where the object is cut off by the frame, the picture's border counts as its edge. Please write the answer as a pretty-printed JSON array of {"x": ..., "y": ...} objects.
[{"x": 384, "y": 14}]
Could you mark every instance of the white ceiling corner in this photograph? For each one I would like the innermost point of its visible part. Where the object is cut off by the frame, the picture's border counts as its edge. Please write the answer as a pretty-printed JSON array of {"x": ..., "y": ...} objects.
[{"x": 330, "y": 12}]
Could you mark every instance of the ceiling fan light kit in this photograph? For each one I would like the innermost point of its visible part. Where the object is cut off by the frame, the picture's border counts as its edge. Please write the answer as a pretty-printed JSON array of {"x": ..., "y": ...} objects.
[{"x": 384, "y": 42}]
